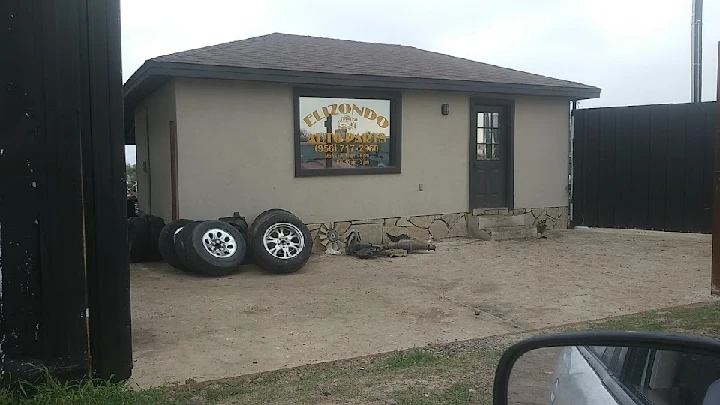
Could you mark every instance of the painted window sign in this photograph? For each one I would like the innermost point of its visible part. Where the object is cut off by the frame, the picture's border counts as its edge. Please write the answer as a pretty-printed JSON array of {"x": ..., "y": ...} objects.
[{"x": 344, "y": 133}]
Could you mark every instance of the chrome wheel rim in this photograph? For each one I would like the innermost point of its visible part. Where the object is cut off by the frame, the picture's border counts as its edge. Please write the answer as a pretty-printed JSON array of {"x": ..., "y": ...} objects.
[
  {"x": 284, "y": 241},
  {"x": 177, "y": 231},
  {"x": 219, "y": 243}
]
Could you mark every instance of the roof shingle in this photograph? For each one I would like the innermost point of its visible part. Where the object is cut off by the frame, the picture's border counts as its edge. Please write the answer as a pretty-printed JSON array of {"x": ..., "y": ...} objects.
[{"x": 324, "y": 55}]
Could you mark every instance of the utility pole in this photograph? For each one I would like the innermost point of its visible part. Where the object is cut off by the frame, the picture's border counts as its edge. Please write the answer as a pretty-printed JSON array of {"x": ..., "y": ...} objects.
[{"x": 697, "y": 12}]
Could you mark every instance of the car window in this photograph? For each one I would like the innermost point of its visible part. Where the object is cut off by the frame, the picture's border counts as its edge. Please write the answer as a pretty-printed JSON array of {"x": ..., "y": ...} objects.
[
  {"x": 661, "y": 377},
  {"x": 598, "y": 351},
  {"x": 617, "y": 361},
  {"x": 606, "y": 357},
  {"x": 611, "y": 357}
]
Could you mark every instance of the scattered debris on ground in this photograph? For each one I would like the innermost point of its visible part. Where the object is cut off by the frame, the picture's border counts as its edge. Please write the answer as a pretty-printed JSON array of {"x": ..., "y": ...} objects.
[
  {"x": 355, "y": 246},
  {"x": 395, "y": 252},
  {"x": 411, "y": 245},
  {"x": 398, "y": 246},
  {"x": 542, "y": 228}
]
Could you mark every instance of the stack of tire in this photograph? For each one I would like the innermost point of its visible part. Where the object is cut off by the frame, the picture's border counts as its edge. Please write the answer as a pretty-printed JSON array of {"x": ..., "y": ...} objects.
[
  {"x": 277, "y": 241},
  {"x": 143, "y": 233}
]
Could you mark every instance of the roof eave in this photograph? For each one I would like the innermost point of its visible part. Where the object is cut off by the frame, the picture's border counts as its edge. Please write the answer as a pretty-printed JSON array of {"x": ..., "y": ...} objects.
[
  {"x": 137, "y": 87},
  {"x": 174, "y": 69},
  {"x": 148, "y": 78}
]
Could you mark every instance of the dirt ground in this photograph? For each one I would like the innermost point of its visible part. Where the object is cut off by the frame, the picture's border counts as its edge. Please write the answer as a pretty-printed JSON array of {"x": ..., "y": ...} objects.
[{"x": 189, "y": 327}]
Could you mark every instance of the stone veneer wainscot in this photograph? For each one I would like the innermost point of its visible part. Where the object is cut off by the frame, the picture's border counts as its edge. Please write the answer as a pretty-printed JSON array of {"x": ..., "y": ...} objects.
[{"x": 435, "y": 227}]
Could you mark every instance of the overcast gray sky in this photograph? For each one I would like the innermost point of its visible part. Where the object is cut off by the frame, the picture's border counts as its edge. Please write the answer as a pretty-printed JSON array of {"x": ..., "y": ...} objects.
[{"x": 636, "y": 51}]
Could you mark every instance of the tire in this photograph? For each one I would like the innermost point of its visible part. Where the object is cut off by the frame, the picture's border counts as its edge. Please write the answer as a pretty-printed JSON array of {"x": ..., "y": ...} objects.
[
  {"x": 155, "y": 227},
  {"x": 138, "y": 239},
  {"x": 248, "y": 248},
  {"x": 238, "y": 222},
  {"x": 242, "y": 226},
  {"x": 268, "y": 226},
  {"x": 249, "y": 256},
  {"x": 166, "y": 243},
  {"x": 132, "y": 207},
  {"x": 181, "y": 241},
  {"x": 261, "y": 217},
  {"x": 216, "y": 248}
]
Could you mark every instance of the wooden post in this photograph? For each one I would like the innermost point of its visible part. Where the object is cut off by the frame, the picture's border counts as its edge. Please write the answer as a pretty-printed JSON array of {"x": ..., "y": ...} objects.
[
  {"x": 108, "y": 273},
  {"x": 63, "y": 242},
  {"x": 174, "y": 171},
  {"x": 43, "y": 101}
]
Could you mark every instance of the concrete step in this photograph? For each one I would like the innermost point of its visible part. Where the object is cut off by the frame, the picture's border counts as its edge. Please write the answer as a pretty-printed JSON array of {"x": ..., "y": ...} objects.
[
  {"x": 505, "y": 233},
  {"x": 495, "y": 221}
]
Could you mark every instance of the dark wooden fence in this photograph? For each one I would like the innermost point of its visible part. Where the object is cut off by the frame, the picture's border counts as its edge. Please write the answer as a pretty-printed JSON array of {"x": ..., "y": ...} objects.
[
  {"x": 63, "y": 243},
  {"x": 644, "y": 167}
]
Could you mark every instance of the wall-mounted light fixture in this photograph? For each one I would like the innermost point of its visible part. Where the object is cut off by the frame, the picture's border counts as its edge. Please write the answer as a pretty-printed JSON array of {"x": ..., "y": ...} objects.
[{"x": 445, "y": 109}]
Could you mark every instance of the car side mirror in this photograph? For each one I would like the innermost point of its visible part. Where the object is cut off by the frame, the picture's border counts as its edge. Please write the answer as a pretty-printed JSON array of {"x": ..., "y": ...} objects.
[{"x": 627, "y": 368}]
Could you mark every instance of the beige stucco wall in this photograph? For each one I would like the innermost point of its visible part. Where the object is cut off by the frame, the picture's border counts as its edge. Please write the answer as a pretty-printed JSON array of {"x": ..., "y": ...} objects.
[
  {"x": 236, "y": 153},
  {"x": 542, "y": 150},
  {"x": 158, "y": 110}
]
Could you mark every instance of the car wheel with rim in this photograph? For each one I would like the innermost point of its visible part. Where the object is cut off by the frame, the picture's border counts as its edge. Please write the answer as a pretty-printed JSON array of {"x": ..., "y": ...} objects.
[
  {"x": 281, "y": 242},
  {"x": 260, "y": 218},
  {"x": 215, "y": 248},
  {"x": 242, "y": 226}
]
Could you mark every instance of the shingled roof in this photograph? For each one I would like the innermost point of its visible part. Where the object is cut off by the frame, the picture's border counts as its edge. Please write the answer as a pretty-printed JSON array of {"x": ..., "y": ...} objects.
[
  {"x": 305, "y": 60},
  {"x": 324, "y": 55}
]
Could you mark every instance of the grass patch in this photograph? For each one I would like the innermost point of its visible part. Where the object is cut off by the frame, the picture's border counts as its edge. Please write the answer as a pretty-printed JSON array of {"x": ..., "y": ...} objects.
[
  {"x": 455, "y": 395},
  {"x": 218, "y": 394},
  {"x": 701, "y": 320},
  {"x": 87, "y": 393},
  {"x": 410, "y": 358},
  {"x": 456, "y": 374}
]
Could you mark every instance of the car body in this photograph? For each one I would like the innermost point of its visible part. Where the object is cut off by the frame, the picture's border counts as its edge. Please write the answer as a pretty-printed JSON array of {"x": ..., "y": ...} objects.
[{"x": 631, "y": 376}]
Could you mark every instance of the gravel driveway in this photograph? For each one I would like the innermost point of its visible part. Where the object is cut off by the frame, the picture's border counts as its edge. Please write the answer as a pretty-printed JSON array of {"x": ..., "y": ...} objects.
[{"x": 338, "y": 307}]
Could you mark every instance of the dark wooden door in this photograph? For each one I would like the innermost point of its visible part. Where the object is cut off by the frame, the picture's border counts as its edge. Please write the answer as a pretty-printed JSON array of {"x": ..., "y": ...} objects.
[{"x": 488, "y": 157}]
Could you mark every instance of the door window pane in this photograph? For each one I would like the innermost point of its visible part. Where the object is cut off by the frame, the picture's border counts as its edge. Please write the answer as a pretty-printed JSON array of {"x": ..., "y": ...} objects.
[
  {"x": 488, "y": 136},
  {"x": 481, "y": 155},
  {"x": 488, "y": 120},
  {"x": 492, "y": 136},
  {"x": 481, "y": 121}
]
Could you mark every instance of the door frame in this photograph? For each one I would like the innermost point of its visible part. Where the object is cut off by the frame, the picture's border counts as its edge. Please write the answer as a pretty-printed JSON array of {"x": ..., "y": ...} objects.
[
  {"x": 508, "y": 105},
  {"x": 175, "y": 209}
]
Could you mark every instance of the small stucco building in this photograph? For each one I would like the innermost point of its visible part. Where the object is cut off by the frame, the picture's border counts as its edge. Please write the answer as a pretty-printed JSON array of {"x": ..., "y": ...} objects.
[{"x": 348, "y": 134}]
